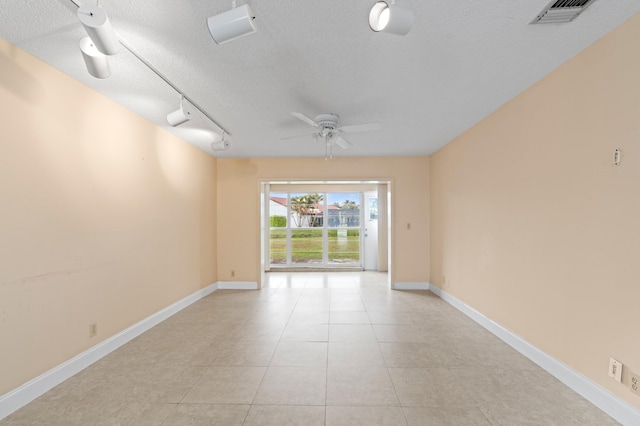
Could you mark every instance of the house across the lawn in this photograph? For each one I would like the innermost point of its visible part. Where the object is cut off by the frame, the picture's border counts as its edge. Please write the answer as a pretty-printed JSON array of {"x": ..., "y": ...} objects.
[{"x": 312, "y": 216}]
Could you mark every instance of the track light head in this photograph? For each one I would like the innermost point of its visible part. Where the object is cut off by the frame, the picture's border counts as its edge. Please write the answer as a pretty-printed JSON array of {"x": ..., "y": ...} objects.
[
  {"x": 97, "y": 63},
  {"x": 181, "y": 115},
  {"x": 232, "y": 24},
  {"x": 222, "y": 145},
  {"x": 390, "y": 18},
  {"x": 98, "y": 27}
]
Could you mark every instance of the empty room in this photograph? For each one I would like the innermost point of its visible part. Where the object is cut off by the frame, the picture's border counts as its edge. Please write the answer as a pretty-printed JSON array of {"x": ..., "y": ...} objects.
[{"x": 320, "y": 212}]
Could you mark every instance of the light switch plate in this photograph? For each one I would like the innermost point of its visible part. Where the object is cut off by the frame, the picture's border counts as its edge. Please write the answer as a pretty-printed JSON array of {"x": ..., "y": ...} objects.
[{"x": 615, "y": 370}]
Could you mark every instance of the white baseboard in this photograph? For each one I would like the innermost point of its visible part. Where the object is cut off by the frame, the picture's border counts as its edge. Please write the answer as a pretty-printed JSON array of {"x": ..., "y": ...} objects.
[
  {"x": 31, "y": 390},
  {"x": 420, "y": 285},
  {"x": 237, "y": 285},
  {"x": 617, "y": 408}
]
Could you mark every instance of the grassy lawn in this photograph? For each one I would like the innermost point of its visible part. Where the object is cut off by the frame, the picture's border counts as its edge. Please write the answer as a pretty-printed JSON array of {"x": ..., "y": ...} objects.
[{"x": 306, "y": 246}]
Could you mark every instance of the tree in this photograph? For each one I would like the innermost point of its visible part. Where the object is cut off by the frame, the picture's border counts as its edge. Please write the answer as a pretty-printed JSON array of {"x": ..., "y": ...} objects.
[
  {"x": 349, "y": 213},
  {"x": 306, "y": 206},
  {"x": 348, "y": 205}
]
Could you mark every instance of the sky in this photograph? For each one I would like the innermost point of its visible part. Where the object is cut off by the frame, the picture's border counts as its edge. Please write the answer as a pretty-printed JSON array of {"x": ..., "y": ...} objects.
[{"x": 333, "y": 197}]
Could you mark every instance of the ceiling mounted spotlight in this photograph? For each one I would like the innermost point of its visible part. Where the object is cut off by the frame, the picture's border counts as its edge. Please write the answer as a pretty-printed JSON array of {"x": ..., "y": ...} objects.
[
  {"x": 389, "y": 18},
  {"x": 181, "y": 115},
  {"x": 97, "y": 25},
  {"x": 222, "y": 145},
  {"x": 97, "y": 63},
  {"x": 232, "y": 24}
]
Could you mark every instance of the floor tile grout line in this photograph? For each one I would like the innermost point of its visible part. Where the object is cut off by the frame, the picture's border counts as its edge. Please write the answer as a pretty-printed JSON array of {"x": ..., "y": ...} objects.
[{"x": 400, "y": 303}]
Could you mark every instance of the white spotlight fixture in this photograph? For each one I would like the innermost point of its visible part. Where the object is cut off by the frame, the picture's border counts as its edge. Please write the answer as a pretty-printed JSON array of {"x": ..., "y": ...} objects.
[
  {"x": 181, "y": 115},
  {"x": 388, "y": 17},
  {"x": 97, "y": 63},
  {"x": 222, "y": 145},
  {"x": 97, "y": 25},
  {"x": 232, "y": 24}
]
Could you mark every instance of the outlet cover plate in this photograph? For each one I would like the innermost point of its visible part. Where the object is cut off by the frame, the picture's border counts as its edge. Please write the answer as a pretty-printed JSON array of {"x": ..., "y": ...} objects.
[
  {"x": 634, "y": 383},
  {"x": 615, "y": 370}
]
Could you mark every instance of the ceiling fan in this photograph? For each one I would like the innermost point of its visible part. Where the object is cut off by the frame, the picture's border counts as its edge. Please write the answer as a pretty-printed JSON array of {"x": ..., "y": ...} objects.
[{"x": 329, "y": 130}]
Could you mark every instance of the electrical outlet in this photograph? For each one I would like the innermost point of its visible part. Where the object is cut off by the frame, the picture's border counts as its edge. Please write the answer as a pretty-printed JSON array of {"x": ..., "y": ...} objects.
[
  {"x": 444, "y": 280},
  {"x": 93, "y": 329},
  {"x": 634, "y": 382},
  {"x": 615, "y": 370},
  {"x": 233, "y": 273}
]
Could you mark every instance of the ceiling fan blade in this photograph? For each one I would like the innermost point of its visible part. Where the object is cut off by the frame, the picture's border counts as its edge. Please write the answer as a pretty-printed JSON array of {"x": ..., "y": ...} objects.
[
  {"x": 361, "y": 127},
  {"x": 304, "y": 118},
  {"x": 342, "y": 143}
]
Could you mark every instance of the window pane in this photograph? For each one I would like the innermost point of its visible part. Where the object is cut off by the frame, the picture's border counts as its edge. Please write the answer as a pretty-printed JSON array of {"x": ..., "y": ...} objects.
[
  {"x": 373, "y": 208},
  {"x": 306, "y": 246},
  {"x": 277, "y": 210},
  {"x": 344, "y": 246},
  {"x": 306, "y": 210},
  {"x": 344, "y": 210},
  {"x": 278, "y": 246}
]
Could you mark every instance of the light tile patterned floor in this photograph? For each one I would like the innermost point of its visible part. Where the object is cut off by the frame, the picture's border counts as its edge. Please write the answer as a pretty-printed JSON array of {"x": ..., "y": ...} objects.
[{"x": 313, "y": 349}]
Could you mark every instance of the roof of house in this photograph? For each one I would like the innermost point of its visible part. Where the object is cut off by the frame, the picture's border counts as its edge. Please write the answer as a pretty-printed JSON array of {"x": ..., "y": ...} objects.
[{"x": 283, "y": 202}]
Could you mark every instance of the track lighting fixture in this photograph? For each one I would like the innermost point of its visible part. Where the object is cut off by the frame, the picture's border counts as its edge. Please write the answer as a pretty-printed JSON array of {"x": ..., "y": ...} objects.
[
  {"x": 97, "y": 63},
  {"x": 181, "y": 115},
  {"x": 221, "y": 145},
  {"x": 232, "y": 24},
  {"x": 386, "y": 16},
  {"x": 97, "y": 25},
  {"x": 102, "y": 41}
]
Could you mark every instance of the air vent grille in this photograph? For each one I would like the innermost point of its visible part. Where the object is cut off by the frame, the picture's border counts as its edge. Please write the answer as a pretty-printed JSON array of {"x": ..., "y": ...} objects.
[{"x": 560, "y": 11}]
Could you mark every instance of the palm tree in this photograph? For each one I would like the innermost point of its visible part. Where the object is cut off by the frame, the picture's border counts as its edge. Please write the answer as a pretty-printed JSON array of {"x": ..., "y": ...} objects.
[{"x": 306, "y": 206}]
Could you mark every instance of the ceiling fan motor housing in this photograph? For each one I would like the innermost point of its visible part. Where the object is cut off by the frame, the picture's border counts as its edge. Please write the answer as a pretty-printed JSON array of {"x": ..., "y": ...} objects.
[
  {"x": 328, "y": 121},
  {"x": 328, "y": 124}
]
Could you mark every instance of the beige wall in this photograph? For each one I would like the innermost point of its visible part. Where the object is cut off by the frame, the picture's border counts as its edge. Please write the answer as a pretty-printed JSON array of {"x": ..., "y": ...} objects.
[
  {"x": 533, "y": 226},
  {"x": 239, "y": 207},
  {"x": 105, "y": 218}
]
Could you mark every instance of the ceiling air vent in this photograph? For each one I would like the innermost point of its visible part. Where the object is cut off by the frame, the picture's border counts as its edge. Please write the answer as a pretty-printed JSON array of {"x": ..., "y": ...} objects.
[{"x": 559, "y": 11}]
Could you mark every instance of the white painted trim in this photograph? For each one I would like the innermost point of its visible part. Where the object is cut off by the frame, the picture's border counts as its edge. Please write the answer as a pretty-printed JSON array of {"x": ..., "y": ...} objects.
[
  {"x": 420, "y": 285},
  {"x": 617, "y": 408},
  {"x": 31, "y": 390},
  {"x": 237, "y": 285}
]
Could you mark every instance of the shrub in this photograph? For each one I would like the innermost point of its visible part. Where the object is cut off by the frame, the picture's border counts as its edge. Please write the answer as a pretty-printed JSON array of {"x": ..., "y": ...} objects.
[{"x": 278, "y": 221}]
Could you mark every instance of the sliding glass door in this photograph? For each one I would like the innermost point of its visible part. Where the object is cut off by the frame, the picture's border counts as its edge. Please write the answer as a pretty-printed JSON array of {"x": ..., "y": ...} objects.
[{"x": 315, "y": 229}]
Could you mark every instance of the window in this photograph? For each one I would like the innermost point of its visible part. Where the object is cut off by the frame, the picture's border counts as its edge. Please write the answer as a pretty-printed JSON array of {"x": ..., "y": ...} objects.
[{"x": 318, "y": 229}]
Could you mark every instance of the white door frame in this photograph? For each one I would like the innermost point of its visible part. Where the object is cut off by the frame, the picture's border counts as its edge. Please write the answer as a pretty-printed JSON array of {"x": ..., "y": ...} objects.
[{"x": 264, "y": 189}]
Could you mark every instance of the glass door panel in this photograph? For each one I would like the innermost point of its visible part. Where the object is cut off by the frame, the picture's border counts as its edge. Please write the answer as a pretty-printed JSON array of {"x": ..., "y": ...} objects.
[
  {"x": 315, "y": 229},
  {"x": 278, "y": 246},
  {"x": 306, "y": 246},
  {"x": 277, "y": 228},
  {"x": 343, "y": 239},
  {"x": 344, "y": 246}
]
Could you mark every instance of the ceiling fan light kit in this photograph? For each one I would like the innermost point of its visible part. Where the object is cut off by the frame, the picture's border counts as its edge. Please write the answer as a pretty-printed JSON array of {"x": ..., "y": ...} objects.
[
  {"x": 390, "y": 18},
  {"x": 232, "y": 24}
]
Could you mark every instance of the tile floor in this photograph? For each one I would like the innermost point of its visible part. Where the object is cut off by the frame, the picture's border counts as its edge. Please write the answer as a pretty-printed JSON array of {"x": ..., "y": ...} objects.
[{"x": 313, "y": 349}]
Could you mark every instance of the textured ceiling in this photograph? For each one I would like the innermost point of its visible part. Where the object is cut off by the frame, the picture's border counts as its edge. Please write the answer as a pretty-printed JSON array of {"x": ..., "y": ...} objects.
[{"x": 461, "y": 61}]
